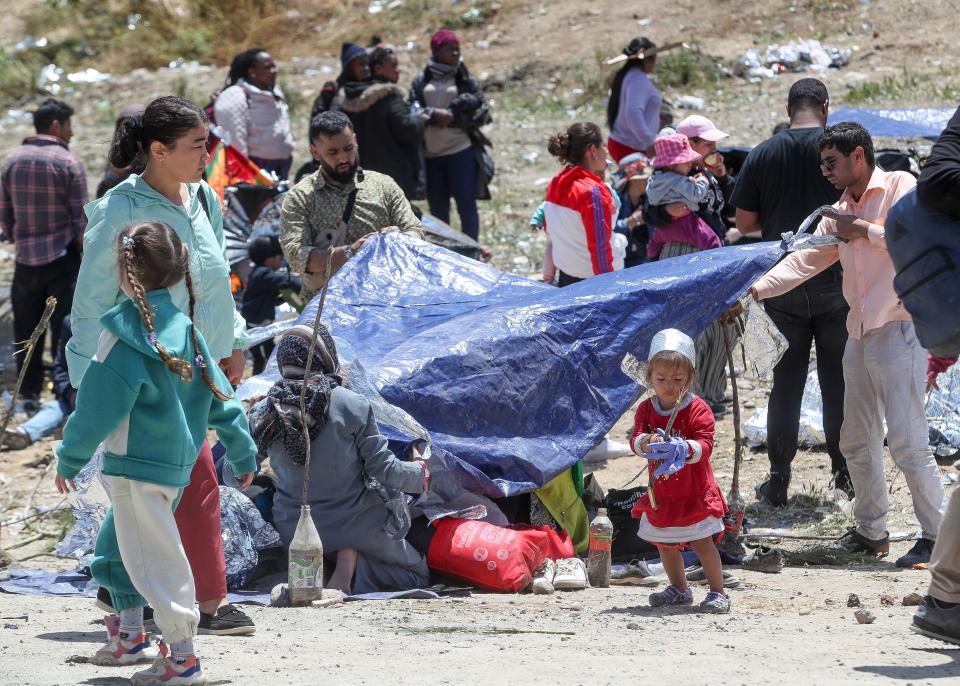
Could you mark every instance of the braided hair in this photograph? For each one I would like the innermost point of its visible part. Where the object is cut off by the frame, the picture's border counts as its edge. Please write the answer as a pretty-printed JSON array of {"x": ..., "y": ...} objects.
[
  {"x": 150, "y": 255},
  {"x": 242, "y": 64}
]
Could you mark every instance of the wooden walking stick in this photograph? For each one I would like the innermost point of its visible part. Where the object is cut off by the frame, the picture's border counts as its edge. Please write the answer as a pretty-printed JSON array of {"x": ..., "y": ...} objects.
[
  {"x": 29, "y": 346},
  {"x": 733, "y": 520}
]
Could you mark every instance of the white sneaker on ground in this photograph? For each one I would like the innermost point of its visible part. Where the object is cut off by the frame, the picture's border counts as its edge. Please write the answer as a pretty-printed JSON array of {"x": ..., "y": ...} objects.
[
  {"x": 571, "y": 575},
  {"x": 542, "y": 583}
]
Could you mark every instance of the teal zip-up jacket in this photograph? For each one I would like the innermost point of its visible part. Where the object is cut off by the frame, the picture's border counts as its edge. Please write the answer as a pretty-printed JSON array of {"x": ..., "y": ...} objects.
[
  {"x": 152, "y": 424},
  {"x": 98, "y": 288}
]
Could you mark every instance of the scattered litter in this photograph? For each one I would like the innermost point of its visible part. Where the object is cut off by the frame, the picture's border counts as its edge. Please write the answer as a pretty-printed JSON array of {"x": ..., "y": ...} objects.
[
  {"x": 633, "y": 626},
  {"x": 48, "y": 78},
  {"x": 853, "y": 600},
  {"x": 330, "y": 598},
  {"x": 887, "y": 599},
  {"x": 77, "y": 660},
  {"x": 646, "y": 21},
  {"x": 531, "y": 157},
  {"x": 795, "y": 56},
  {"x": 865, "y": 616},
  {"x": 921, "y": 566},
  {"x": 689, "y": 102},
  {"x": 90, "y": 75},
  {"x": 541, "y": 181},
  {"x": 911, "y": 599},
  {"x": 11, "y": 626},
  {"x": 29, "y": 43}
]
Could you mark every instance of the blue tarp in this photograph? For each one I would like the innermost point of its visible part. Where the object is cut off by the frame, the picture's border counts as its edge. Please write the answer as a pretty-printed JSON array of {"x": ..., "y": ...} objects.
[
  {"x": 906, "y": 123},
  {"x": 516, "y": 380}
]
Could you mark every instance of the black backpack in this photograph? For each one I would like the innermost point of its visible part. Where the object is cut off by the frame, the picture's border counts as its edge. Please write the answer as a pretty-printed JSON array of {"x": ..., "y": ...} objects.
[{"x": 925, "y": 248}]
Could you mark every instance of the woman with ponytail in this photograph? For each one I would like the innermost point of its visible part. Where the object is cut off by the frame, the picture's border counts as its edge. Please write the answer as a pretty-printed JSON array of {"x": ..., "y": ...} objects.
[
  {"x": 170, "y": 136},
  {"x": 148, "y": 397},
  {"x": 580, "y": 209}
]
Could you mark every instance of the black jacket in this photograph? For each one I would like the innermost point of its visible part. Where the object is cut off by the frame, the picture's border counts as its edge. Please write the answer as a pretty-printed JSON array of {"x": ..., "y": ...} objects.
[
  {"x": 263, "y": 293},
  {"x": 388, "y": 132},
  {"x": 939, "y": 183},
  {"x": 469, "y": 108}
]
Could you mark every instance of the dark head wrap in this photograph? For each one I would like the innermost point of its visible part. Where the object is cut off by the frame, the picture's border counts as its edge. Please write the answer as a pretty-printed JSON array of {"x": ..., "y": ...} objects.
[{"x": 279, "y": 416}]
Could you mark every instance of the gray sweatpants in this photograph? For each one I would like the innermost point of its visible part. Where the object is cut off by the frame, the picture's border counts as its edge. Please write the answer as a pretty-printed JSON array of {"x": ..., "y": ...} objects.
[
  {"x": 945, "y": 560},
  {"x": 884, "y": 373}
]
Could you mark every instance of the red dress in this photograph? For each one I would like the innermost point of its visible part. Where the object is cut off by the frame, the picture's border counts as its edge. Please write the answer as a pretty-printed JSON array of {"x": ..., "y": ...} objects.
[{"x": 692, "y": 494}]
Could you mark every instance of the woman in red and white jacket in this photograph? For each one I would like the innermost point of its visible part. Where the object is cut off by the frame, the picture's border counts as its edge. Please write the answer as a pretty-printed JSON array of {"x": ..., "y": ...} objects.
[{"x": 580, "y": 211}]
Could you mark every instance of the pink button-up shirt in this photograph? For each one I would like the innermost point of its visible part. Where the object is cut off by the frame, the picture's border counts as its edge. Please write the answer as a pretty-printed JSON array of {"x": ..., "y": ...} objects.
[{"x": 867, "y": 269}]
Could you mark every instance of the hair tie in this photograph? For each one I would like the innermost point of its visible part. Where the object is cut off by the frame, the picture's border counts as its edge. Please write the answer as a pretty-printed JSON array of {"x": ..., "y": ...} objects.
[
  {"x": 127, "y": 242},
  {"x": 152, "y": 338},
  {"x": 199, "y": 362}
]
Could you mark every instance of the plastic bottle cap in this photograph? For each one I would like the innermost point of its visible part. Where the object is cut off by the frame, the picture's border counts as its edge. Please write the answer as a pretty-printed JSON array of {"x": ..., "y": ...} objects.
[{"x": 602, "y": 512}]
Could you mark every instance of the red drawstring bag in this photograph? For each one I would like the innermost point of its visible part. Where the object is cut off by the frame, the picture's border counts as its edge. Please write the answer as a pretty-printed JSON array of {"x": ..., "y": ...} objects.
[{"x": 493, "y": 557}]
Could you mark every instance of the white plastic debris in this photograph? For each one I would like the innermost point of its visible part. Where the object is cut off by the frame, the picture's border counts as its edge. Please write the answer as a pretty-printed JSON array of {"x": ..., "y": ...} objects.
[
  {"x": 689, "y": 102},
  {"x": 29, "y": 43},
  {"x": 90, "y": 75},
  {"x": 48, "y": 78},
  {"x": 795, "y": 56}
]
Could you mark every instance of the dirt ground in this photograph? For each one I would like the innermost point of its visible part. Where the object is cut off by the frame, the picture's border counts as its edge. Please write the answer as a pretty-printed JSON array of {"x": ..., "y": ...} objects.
[{"x": 793, "y": 627}]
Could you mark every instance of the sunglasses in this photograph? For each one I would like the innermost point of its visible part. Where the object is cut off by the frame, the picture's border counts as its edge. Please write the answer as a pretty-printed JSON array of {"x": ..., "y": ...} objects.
[{"x": 830, "y": 163}]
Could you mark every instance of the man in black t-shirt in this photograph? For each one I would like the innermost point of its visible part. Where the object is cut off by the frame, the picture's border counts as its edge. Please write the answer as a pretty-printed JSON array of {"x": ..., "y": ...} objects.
[{"x": 779, "y": 185}]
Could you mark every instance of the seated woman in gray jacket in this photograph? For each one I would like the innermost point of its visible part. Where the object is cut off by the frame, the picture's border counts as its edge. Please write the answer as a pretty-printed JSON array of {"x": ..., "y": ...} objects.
[{"x": 346, "y": 450}]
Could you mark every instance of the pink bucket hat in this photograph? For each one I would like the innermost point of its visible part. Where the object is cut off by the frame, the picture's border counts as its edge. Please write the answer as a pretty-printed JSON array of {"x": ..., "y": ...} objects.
[
  {"x": 698, "y": 126},
  {"x": 674, "y": 148}
]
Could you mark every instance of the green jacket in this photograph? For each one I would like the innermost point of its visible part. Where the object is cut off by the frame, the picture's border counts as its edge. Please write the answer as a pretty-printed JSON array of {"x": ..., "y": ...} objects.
[
  {"x": 98, "y": 288},
  {"x": 152, "y": 424}
]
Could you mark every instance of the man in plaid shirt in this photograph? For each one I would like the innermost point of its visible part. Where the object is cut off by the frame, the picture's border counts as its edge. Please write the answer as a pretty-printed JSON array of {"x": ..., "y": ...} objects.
[{"x": 43, "y": 188}]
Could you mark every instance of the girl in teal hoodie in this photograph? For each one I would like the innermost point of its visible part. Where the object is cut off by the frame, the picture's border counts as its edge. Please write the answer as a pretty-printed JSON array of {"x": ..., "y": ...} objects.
[{"x": 148, "y": 395}]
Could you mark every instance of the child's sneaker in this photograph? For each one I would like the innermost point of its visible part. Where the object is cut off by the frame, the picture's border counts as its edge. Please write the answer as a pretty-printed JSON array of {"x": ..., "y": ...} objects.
[
  {"x": 671, "y": 595},
  {"x": 123, "y": 651},
  {"x": 716, "y": 603},
  {"x": 167, "y": 672}
]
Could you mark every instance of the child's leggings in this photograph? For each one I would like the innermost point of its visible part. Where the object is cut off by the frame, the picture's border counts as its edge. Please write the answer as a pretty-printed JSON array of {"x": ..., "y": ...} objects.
[{"x": 139, "y": 557}]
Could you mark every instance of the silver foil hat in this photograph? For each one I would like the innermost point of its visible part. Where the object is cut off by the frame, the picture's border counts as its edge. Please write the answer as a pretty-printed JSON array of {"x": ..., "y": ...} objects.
[{"x": 673, "y": 340}]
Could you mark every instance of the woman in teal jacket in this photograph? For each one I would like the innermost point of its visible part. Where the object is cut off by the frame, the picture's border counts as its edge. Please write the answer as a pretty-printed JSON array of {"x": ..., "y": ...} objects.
[{"x": 171, "y": 136}]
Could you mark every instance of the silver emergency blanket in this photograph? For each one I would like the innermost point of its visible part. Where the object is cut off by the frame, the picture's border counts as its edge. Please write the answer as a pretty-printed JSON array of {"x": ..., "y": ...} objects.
[
  {"x": 244, "y": 533},
  {"x": 943, "y": 416},
  {"x": 89, "y": 504}
]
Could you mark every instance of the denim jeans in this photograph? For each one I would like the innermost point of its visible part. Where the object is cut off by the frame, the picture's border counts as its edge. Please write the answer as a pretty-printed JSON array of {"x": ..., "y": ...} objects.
[
  {"x": 807, "y": 315},
  {"x": 454, "y": 175},
  {"x": 44, "y": 422}
]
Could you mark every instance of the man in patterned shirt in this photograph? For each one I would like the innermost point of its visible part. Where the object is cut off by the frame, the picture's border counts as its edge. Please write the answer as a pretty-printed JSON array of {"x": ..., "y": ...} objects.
[
  {"x": 43, "y": 188},
  {"x": 338, "y": 206}
]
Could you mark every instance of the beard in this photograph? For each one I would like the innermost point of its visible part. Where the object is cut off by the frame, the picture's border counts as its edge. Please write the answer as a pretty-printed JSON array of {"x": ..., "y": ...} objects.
[{"x": 340, "y": 177}]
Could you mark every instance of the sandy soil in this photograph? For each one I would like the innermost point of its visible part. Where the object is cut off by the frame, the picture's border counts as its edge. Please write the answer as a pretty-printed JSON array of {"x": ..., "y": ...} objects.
[
  {"x": 794, "y": 627},
  {"x": 791, "y": 628}
]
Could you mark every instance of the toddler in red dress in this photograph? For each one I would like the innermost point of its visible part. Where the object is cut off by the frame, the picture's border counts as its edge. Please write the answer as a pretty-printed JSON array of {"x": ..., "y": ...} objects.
[{"x": 687, "y": 506}]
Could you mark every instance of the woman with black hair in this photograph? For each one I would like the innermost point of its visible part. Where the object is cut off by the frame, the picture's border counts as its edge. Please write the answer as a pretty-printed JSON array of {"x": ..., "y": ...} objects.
[
  {"x": 253, "y": 113},
  {"x": 170, "y": 136},
  {"x": 633, "y": 110}
]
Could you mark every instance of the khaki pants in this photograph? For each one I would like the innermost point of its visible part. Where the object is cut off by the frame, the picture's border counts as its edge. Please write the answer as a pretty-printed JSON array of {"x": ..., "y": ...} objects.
[
  {"x": 945, "y": 561},
  {"x": 884, "y": 373}
]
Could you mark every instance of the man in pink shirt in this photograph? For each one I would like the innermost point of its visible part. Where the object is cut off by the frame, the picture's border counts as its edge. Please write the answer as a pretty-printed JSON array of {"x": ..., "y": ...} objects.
[{"x": 884, "y": 365}]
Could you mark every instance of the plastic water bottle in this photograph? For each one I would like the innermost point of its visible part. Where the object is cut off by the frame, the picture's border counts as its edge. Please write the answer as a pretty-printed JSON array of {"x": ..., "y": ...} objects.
[
  {"x": 601, "y": 541},
  {"x": 305, "y": 570}
]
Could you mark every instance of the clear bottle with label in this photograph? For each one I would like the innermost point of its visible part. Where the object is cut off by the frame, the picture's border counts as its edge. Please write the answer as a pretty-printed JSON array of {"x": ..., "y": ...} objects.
[
  {"x": 305, "y": 570},
  {"x": 599, "y": 557}
]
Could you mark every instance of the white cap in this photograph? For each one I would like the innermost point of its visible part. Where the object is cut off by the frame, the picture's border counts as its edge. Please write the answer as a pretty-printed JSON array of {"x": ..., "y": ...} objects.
[{"x": 673, "y": 340}]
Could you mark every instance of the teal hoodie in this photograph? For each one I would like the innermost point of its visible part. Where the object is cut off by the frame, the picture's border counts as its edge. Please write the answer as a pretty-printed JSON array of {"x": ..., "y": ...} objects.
[
  {"x": 151, "y": 423},
  {"x": 98, "y": 288}
]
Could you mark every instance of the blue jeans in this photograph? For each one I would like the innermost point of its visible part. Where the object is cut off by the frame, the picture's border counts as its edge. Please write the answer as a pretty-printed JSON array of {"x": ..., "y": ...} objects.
[
  {"x": 44, "y": 422},
  {"x": 454, "y": 175}
]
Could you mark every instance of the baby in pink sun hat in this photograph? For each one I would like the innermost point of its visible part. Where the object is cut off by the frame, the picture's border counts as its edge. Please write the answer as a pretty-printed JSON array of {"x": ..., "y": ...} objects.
[{"x": 671, "y": 184}]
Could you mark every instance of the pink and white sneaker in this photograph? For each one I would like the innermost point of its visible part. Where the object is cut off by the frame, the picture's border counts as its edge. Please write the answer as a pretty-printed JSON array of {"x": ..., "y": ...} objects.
[
  {"x": 120, "y": 651},
  {"x": 166, "y": 671}
]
